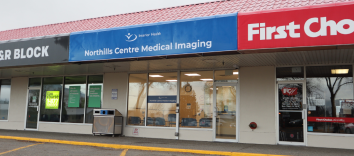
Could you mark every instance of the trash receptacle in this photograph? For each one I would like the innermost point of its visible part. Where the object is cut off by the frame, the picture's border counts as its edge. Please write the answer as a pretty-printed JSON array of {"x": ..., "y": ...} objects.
[{"x": 107, "y": 121}]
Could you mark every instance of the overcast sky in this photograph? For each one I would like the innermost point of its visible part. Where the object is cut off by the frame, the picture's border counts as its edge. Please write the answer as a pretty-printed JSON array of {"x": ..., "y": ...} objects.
[{"x": 27, "y": 13}]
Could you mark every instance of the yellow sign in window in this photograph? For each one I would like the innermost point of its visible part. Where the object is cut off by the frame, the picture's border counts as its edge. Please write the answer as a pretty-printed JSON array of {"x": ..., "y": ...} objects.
[{"x": 52, "y": 100}]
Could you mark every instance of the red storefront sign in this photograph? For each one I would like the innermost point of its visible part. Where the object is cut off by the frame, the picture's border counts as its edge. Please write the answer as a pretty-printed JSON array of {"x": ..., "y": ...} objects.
[
  {"x": 289, "y": 91},
  {"x": 330, "y": 119},
  {"x": 306, "y": 26}
]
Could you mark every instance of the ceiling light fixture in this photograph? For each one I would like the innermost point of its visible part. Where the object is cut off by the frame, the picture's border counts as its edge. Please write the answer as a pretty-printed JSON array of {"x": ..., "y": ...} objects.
[
  {"x": 192, "y": 74},
  {"x": 340, "y": 71},
  {"x": 155, "y": 75},
  {"x": 172, "y": 80},
  {"x": 206, "y": 79},
  {"x": 235, "y": 73}
]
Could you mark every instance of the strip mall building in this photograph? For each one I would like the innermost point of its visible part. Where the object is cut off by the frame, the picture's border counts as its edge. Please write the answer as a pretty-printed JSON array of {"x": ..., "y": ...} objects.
[{"x": 263, "y": 72}]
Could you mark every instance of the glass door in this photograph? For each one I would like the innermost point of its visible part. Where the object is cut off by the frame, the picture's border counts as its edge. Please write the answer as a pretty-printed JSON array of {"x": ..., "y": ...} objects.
[
  {"x": 225, "y": 109},
  {"x": 32, "y": 108},
  {"x": 291, "y": 113}
]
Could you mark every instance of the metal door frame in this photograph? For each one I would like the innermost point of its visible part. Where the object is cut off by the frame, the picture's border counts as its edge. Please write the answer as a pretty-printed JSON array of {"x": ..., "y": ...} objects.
[
  {"x": 215, "y": 110},
  {"x": 304, "y": 113},
  {"x": 39, "y": 106}
]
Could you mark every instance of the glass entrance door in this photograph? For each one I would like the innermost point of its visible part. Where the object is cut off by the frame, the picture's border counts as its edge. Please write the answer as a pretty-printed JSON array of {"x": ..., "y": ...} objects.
[
  {"x": 225, "y": 112},
  {"x": 32, "y": 108},
  {"x": 291, "y": 113}
]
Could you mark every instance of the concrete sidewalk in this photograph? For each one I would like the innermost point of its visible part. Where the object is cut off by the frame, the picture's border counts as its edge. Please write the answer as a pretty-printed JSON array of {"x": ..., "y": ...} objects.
[{"x": 195, "y": 145}]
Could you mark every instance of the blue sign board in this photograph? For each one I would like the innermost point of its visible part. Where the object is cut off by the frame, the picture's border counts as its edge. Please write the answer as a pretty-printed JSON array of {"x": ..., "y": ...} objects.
[
  {"x": 195, "y": 35},
  {"x": 162, "y": 99}
]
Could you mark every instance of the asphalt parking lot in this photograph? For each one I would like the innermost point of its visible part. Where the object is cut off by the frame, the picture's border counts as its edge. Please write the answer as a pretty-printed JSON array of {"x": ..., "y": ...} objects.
[
  {"x": 44, "y": 143},
  {"x": 24, "y": 148}
]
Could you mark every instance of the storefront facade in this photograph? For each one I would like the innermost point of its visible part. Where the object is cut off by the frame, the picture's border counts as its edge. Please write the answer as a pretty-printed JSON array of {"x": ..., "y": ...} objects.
[{"x": 239, "y": 77}]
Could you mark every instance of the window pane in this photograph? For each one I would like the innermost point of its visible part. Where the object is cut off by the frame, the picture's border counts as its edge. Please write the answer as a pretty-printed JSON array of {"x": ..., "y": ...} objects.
[
  {"x": 94, "y": 97},
  {"x": 51, "y": 111},
  {"x": 226, "y": 75},
  {"x": 290, "y": 73},
  {"x": 34, "y": 82},
  {"x": 330, "y": 99},
  {"x": 162, "y": 99},
  {"x": 74, "y": 99},
  {"x": 137, "y": 99},
  {"x": 196, "y": 99},
  {"x": 5, "y": 90}
]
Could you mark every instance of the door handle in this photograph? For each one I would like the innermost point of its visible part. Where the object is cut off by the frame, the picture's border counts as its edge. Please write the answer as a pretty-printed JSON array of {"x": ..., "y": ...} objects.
[
  {"x": 303, "y": 115},
  {"x": 37, "y": 109}
]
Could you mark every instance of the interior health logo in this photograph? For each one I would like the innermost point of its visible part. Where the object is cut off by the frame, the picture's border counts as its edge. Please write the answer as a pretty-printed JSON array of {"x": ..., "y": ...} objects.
[{"x": 129, "y": 37}]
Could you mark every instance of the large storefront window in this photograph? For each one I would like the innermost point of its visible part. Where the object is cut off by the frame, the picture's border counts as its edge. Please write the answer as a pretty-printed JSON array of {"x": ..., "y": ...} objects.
[
  {"x": 196, "y": 99},
  {"x": 162, "y": 99},
  {"x": 137, "y": 99},
  {"x": 330, "y": 99},
  {"x": 76, "y": 106},
  {"x": 74, "y": 99},
  {"x": 5, "y": 90},
  {"x": 94, "y": 95},
  {"x": 157, "y": 94},
  {"x": 51, "y": 99}
]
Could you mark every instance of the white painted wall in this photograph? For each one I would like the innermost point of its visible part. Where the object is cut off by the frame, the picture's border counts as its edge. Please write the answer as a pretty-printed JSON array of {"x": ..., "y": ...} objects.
[
  {"x": 257, "y": 104},
  {"x": 21, "y": 13}
]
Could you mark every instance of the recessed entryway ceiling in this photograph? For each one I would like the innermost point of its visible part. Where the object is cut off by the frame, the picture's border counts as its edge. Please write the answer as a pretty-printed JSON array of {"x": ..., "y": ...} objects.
[{"x": 320, "y": 57}]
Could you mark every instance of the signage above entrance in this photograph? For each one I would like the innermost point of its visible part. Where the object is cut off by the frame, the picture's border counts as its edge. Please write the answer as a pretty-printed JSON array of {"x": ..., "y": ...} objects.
[
  {"x": 315, "y": 26},
  {"x": 195, "y": 35},
  {"x": 35, "y": 52}
]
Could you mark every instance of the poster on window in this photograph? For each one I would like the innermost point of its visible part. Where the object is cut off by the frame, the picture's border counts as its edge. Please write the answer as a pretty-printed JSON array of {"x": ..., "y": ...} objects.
[
  {"x": 290, "y": 96},
  {"x": 94, "y": 100},
  {"x": 52, "y": 100},
  {"x": 74, "y": 96}
]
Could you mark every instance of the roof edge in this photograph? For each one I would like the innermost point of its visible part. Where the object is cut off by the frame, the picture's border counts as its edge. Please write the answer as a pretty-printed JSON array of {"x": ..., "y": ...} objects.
[{"x": 298, "y": 8}]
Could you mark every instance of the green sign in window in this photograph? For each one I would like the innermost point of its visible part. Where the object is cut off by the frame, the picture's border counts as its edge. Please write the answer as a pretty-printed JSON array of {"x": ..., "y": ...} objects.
[
  {"x": 74, "y": 96},
  {"x": 52, "y": 100},
  {"x": 94, "y": 96}
]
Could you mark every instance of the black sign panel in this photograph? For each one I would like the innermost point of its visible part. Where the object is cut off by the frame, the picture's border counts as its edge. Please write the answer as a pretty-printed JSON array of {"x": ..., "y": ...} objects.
[
  {"x": 35, "y": 52},
  {"x": 290, "y": 96}
]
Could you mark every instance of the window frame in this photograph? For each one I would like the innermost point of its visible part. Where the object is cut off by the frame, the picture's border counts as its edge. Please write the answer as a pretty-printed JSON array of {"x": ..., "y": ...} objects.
[
  {"x": 305, "y": 78},
  {"x": 62, "y": 96},
  {"x": 8, "y": 108}
]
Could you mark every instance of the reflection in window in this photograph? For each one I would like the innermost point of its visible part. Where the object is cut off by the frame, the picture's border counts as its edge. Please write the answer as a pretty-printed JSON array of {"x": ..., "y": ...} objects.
[
  {"x": 51, "y": 111},
  {"x": 226, "y": 75},
  {"x": 162, "y": 99},
  {"x": 5, "y": 90},
  {"x": 196, "y": 100},
  {"x": 290, "y": 73},
  {"x": 94, "y": 96},
  {"x": 34, "y": 82},
  {"x": 74, "y": 99},
  {"x": 137, "y": 99},
  {"x": 329, "y": 96}
]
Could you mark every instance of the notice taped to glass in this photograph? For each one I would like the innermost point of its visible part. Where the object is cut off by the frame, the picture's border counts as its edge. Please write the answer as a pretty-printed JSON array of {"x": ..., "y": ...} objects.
[
  {"x": 94, "y": 100},
  {"x": 290, "y": 96},
  {"x": 74, "y": 96}
]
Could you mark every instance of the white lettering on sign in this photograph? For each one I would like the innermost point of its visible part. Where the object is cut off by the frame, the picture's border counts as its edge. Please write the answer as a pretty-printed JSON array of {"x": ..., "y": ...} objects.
[
  {"x": 5, "y": 55},
  {"x": 345, "y": 26},
  {"x": 333, "y": 26},
  {"x": 268, "y": 32},
  {"x": 25, "y": 53}
]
